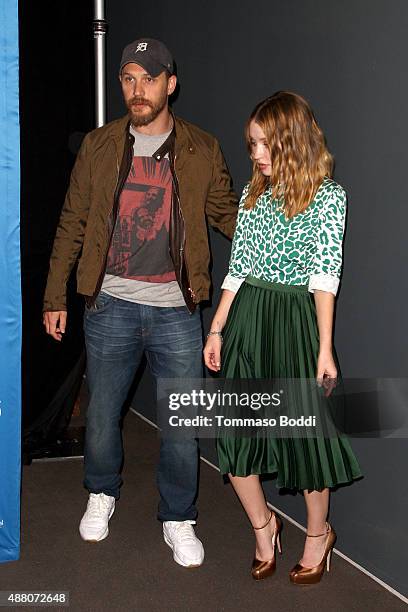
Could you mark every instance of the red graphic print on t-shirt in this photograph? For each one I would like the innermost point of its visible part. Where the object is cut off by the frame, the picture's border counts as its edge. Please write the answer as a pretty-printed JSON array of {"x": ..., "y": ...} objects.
[{"x": 140, "y": 242}]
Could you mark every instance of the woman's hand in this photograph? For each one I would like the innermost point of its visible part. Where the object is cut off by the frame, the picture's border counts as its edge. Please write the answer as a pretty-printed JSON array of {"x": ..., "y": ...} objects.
[
  {"x": 326, "y": 374},
  {"x": 212, "y": 353},
  {"x": 212, "y": 349}
]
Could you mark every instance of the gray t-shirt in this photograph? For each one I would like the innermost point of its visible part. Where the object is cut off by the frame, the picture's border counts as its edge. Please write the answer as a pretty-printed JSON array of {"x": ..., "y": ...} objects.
[{"x": 139, "y": 267}]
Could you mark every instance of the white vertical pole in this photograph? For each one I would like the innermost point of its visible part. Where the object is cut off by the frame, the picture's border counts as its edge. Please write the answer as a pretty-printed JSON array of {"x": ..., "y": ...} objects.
[{"x": 99, "y": 31}]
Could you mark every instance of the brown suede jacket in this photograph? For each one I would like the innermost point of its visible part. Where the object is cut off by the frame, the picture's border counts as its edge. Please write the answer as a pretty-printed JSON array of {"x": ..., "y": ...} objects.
[{"x": 202, "y": 191}]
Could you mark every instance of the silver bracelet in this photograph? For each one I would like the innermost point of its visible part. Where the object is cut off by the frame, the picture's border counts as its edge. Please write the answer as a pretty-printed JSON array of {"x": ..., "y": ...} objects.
[{"x": 215, "y": 333}]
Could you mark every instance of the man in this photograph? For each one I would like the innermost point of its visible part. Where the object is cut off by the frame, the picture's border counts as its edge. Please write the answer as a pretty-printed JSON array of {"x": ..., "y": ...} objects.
[{"x": 141, "y": 192}]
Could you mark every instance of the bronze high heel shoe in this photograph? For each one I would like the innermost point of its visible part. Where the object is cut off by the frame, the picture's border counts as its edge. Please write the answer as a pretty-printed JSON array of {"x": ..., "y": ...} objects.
[
  {"x": 263, "y": 569},
  {"x": 311, "y": 575}
]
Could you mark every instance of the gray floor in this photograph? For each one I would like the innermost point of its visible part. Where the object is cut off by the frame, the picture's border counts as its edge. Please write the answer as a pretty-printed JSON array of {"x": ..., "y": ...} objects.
[{"x": 133, "y": 568}]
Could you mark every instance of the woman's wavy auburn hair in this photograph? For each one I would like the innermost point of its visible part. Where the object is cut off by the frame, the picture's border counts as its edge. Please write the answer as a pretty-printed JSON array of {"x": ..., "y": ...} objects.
[{"x": 299, "y": 156}]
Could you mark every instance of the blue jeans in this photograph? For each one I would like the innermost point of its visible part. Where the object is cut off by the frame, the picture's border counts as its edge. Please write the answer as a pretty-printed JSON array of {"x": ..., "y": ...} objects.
[{"x": 117, "y": 333}]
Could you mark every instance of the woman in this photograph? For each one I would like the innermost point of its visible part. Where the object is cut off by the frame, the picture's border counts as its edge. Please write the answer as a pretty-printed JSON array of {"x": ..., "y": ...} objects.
[{"x": 287, "y": 250}]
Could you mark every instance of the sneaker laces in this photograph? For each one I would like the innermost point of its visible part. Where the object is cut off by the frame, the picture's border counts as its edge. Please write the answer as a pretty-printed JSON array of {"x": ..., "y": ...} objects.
[
  {"x": 184, "y": 531},
  {"x": 97, "y": 504}
]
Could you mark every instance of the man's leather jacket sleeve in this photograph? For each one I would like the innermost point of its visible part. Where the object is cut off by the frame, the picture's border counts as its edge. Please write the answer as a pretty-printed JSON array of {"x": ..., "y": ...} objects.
[
  {"x": 222, "y": 202},
  {"x": 70, "y": 232}
]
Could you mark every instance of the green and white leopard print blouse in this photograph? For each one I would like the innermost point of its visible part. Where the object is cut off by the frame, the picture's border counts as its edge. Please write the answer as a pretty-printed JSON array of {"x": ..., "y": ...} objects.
[{"x": 304, "y": 250}]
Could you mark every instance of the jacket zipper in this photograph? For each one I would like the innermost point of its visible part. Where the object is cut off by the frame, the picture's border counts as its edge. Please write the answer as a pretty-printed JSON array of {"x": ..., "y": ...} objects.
[{"x": 183, "y": 241}]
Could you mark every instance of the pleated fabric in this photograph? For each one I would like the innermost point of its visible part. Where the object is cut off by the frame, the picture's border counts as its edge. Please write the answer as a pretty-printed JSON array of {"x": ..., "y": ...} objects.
[{"x": 271, "y": 332}]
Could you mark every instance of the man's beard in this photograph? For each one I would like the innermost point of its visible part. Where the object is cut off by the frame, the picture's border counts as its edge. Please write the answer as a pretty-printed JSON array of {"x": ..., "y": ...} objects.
[{"x": 138, "y": 119}]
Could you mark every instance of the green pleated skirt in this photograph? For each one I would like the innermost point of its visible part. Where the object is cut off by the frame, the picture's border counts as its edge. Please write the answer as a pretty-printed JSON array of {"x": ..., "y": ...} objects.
[{"x": 271, "y": 332}]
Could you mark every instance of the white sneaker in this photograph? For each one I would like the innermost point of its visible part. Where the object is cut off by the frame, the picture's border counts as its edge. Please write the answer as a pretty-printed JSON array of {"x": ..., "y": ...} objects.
[
  {"x": 187, "y": 549},
  {"x": 94, "y": 524}
]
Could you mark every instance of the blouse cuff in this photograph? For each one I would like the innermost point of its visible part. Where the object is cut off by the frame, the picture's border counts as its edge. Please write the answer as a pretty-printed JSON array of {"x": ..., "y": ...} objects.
[
  {"x": 231, "y": 283},
  {"x": 323, "y": 282}
]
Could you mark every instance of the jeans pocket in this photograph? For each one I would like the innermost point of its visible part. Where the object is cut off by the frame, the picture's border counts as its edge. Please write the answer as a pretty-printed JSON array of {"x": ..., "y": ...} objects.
[{"x": 102, "y": 301}]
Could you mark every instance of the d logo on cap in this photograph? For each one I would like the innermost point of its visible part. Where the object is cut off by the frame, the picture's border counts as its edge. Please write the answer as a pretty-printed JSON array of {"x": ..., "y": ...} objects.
[{"x": 151, "y": 54}]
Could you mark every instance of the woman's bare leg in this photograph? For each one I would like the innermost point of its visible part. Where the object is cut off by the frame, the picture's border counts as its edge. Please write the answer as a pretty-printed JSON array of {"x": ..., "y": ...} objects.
[
  {"x": 317, "y": 505},
  {"x": 252, "y": 498}
]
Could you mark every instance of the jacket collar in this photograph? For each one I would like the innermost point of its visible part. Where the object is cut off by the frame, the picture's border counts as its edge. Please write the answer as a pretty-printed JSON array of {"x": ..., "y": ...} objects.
[
  {"x": 120, "y": 128},
  {"x": 177, "y": 140},
  {"x": 168, "y": 145}
]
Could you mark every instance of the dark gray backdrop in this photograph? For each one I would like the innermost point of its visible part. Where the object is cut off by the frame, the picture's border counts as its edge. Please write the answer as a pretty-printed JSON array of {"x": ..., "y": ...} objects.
[{"x": 348, "y": 58}]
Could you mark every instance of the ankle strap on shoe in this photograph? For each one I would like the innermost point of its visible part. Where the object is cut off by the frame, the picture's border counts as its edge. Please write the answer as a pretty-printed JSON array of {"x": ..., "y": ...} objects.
[
  {"x": 267, "y": 522},
  {"x": 319, "y": 535}
]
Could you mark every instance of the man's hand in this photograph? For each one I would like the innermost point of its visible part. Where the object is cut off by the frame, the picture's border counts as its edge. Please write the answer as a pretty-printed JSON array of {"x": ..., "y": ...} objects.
[{"x": 55, "y": 322}]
